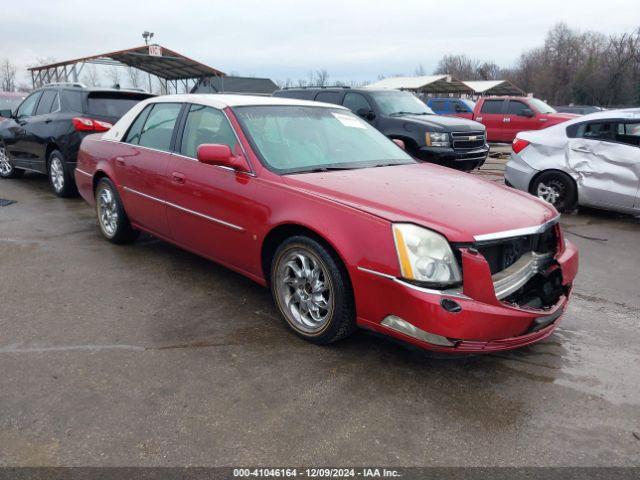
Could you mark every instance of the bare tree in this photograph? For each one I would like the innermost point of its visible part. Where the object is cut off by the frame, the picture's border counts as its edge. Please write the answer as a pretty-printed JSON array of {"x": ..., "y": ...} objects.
[
  {"x": 460, "y": 66},
  {"x": 7, "y": 76},
  {"x": 113, "y": 74},
  {"x": 91, "y": 77},
  {"x": 420, "y": 71},
  {"x": 135, "y": 77},
  {"x": 321, "y": 78}
]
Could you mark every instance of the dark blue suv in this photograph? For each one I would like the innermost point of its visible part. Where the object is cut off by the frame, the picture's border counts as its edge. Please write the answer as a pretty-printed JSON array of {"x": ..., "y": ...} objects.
[{"x": 458, "y": 107}]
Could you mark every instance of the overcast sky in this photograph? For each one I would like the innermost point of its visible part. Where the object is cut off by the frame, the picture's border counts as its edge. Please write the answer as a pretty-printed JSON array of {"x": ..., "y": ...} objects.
[{"x": 352, "y": 39}]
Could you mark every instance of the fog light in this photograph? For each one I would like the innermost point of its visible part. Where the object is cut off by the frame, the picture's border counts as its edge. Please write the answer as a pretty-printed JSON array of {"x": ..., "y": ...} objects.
[{"x": 402, "y": 326}]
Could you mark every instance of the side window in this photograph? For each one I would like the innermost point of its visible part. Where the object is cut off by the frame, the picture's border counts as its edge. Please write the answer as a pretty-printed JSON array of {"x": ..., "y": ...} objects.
[
  {"x": 158, "y": 128},
  {"x": 517, "y": 108},
  {"x": 205, "y": 125},
  {"x": 439, "y": 105},
  {"x": 355, "y": 102},
  {"x": 329, "y": 97},
  {"x": 598, "y": 131},
  {"x": 629, "y": 133},
  {"x": 27, "y": 107},
  {"x": 133, "y": 135},
  {"x": 492, "y": 106},
  {"x": 48, "y": 102},
  {"x": 460, "y": 107}
]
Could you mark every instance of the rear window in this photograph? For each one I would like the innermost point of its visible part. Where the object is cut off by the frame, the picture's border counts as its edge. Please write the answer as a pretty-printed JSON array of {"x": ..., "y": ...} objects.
[
  {"x": 111, "y": 105},
  {"x": 492, "y": 106},
  {"x": 329, "y": 97}
]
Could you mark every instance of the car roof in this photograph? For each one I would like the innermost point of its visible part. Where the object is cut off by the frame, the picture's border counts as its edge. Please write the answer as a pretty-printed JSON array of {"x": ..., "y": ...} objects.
[
  {"x": 626, "y": 113},
  {"x": 221, "y": 100}
]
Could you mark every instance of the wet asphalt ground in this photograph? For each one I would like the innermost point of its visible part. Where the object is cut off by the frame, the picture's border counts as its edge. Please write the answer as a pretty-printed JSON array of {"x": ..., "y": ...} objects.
[{"x": 146, "y": 355}]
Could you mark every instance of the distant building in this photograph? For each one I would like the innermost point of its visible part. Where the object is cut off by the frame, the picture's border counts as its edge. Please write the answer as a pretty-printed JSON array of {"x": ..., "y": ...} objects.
[{"x": 227, "y": 84}]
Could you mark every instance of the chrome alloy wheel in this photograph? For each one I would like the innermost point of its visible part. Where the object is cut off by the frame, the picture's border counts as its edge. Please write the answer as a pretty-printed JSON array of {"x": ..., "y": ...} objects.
[
  {"x": 107, "y": 212},
  {"x": 56, "y": 172},
  {"x": 5, "y": 165},
  {"x": 304, "y": 291},
  {"x": 551, "y": 192}
]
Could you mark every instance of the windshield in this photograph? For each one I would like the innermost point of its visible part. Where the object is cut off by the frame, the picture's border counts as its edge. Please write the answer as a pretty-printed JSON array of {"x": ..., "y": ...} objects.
[
  {"x": 469, "y": 103},
  {"x": 541, "y": 106},
  {"x": 293, "y": 139},
  {"x": 394, "y": 102}
]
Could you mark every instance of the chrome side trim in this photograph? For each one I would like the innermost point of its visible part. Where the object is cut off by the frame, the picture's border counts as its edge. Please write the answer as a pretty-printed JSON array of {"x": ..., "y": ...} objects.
[
  {"x": 84, "y": 173},
  {"x": 514, "y": 277},
  {"x": 454, "y": 292},
  {"x": 518, "y": 232},
  {"x": 192, "y": 212}
]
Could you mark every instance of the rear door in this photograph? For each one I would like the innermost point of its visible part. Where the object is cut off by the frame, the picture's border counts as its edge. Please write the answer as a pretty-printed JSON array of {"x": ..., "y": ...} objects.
[
  {"x": 492, "y": 116},
  {"x": 42, "y": 128},
  {"x": 606, "y": 156},
  {"x": 141, "y": 167},
  {"x": 209, "y": 206}
]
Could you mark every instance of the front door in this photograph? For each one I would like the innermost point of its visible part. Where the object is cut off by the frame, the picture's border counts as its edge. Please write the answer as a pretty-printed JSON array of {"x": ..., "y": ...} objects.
[
  {"x": 210, "y": 207},
  {"x": 518, "y": 121}
]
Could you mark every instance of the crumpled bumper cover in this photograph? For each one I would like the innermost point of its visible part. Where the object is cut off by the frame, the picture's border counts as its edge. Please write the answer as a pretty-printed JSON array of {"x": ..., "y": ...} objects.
[{"x": 484, "y": 324}]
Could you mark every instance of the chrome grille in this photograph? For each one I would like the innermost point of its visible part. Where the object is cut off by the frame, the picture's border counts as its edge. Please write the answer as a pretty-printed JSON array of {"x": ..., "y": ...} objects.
[{"x": 468, "y": 140}]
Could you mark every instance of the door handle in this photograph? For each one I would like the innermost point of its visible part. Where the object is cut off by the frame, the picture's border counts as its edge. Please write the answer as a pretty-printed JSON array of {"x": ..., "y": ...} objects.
[
  {"x": 506, "y": 120},
  {"x": 178, "y": 177},
  {"x": 48, "y": 120},
  {"x": 120, "y": 162},
  {"x": 582, "y": 149}
]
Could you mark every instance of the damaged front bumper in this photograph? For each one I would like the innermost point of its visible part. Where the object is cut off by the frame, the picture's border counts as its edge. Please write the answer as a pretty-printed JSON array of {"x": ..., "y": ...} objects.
[{"x": 492, "y": 312}]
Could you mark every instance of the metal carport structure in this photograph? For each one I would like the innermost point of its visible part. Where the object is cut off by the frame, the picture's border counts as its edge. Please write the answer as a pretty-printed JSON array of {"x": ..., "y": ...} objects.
[
  {"x": 494, "y": 87},
  {"x": 171, "y": 68},
  {"x": 441, "y": 84}
]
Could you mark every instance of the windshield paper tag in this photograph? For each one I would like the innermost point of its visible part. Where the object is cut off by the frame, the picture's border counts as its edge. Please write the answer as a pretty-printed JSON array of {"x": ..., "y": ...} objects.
[{"x": 348, "y": 120}]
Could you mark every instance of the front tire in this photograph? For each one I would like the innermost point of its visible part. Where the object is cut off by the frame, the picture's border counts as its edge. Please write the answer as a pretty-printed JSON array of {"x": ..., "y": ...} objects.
[
  {"x": 113, "y": 220},
  {"x": 7, "y": 170},
  {"x": 556, "y": 188},
  {"x": 312, "y": 291},
  {"x": 60, "y": 178}
]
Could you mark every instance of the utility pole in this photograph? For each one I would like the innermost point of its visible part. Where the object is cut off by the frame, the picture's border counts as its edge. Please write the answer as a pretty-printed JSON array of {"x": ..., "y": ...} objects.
[{"x": 147, "y": 35}]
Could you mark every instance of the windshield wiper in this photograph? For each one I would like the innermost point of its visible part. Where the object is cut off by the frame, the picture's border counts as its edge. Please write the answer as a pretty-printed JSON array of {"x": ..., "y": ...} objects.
[
  {"x": 327, "y": 169},
  {"x": 408, "y": 113}
]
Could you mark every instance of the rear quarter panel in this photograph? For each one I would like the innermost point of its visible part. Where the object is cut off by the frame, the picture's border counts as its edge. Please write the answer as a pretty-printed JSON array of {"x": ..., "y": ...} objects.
[{"x": 95, "y": 157}]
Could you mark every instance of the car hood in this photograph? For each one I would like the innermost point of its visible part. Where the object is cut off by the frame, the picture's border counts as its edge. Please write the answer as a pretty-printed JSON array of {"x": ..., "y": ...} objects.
[
  {"x": 458, "y": 205},
  {"x": 444, "y": 124},
  {"x": 561, "y": 117}
]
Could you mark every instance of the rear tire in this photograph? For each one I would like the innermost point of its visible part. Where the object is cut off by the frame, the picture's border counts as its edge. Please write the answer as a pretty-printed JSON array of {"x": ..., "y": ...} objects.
[
  {"x": 7, "y": 170},
  {"x": 556, "y": 188},
  {"x": 113, "y": 220},
  {"x": 312, "y": 291},
  {"x": 60, "y": 178}
]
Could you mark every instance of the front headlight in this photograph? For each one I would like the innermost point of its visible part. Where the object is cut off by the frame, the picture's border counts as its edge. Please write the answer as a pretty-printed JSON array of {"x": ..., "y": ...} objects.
[
  {"x": 435, "y": 139},
  {"x": 425, "y": 256}
]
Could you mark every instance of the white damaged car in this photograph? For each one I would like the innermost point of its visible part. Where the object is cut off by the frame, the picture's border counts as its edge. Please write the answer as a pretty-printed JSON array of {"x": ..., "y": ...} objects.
[{"x": 592, "y": 160}]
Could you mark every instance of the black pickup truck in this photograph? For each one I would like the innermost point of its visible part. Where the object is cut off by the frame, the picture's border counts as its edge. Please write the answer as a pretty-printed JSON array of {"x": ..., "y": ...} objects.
[{"x": 451, "y": 141}]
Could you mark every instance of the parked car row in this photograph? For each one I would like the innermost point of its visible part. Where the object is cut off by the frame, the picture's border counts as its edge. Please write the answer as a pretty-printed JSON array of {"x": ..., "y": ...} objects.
[
  {"x": 310, "y": 200},
  {"x": 44, "y": 133}
]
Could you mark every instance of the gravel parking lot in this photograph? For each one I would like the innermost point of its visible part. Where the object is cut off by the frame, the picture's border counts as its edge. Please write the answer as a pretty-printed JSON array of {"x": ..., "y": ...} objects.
[{"x": 148, "y": 355}]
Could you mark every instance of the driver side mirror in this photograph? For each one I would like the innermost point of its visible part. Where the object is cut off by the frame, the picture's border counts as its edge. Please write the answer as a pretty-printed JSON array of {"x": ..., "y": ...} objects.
[
  {"x": 366, "y": 113},
  {"x": 527, "y": 112},
  {"x": 8, "y": 113},
  {"x": 461, "y": 109},
  {"x": 221, "y": 155}
]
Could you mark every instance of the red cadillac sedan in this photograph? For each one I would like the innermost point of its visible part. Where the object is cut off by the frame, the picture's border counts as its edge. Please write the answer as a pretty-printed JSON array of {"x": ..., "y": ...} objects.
[{"x": 344, "y": 227}]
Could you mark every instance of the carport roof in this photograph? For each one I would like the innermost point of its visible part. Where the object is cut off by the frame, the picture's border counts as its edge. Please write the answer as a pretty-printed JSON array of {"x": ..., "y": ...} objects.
[
  {"x": 153, "y": 59},
  {"x": 427, "y": 83},
  {"x": 494, "y": 87}
]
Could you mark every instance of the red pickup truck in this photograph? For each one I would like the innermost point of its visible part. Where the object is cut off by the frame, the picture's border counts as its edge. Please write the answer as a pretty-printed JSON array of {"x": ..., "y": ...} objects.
[{"x": 505, "y": 117}]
